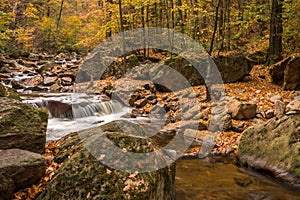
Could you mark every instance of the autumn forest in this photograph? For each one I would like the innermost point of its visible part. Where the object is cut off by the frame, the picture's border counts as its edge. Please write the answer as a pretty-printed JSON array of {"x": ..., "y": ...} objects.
[{"x": 219, "y": 25}]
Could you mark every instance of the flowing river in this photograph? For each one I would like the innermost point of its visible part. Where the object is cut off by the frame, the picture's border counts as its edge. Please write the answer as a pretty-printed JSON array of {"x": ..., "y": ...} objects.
[{"x": 210, "y": 178}]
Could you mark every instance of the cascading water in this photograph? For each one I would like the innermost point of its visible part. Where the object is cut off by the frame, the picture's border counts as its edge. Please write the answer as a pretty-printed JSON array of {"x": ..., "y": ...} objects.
[{"x": 70, "y": 112}]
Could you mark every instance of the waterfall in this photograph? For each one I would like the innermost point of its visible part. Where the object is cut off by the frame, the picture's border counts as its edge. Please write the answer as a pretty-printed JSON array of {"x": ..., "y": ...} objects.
[
  {"x": 58, "y": 109},
  {"x": 97, "y": 109}
]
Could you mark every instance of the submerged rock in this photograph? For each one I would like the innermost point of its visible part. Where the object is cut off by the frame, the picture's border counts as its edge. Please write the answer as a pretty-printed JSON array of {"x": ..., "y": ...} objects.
[
  {"x": 22, "y": 126},
  {"x": 83, "y": 174},
  {"x": 274, "y": 147}
]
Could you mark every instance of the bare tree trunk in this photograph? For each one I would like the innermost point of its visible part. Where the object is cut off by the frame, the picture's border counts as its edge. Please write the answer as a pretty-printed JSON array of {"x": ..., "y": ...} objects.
[
  {"x": 228, "y": 26},
  {"x": 122, "y": 32},
  {"x": 143, "y": 36},
  {"x": 276, "y": 30},
  {"x": 215, "y": 28},
  {"x": 60, "y": 13}
]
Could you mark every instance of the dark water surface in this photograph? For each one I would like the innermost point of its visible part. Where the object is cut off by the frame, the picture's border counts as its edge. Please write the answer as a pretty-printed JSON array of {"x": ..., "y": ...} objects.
[{"x": 215, "y": 180}]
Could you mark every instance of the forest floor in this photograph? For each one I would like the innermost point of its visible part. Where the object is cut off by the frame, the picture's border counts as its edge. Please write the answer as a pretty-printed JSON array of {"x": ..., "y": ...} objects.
[{"x": 257, "y": 87}]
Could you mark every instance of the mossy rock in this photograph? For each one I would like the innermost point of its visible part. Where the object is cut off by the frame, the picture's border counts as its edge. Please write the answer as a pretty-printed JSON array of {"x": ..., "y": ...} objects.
[
  {"x": 8, "y": 92},
  {"x": 22, "y": 126},
  {"x": 274, "y": 147},
  {"x": 84, "y": 176}
]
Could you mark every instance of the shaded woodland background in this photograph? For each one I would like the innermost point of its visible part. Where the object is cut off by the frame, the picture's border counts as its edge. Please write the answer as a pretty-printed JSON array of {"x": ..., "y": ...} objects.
[{"x": 219, "y": 25}]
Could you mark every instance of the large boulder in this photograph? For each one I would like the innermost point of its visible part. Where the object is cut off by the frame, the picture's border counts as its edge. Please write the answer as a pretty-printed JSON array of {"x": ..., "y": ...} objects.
[
  {"x": 19, "y": 169},
  {"x": 233, "y": 67},
  {"x": 274, "y": 147},
  {"x": 22, "y": 126},
  {"x": 286, "y": 73},
  {"x": 83, "y": 174}
]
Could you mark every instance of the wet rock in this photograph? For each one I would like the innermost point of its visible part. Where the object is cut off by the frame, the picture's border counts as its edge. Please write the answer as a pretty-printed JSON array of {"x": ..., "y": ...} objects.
[
  {"x": 22, "y": 126},
  {"x": 270, "y": 114},
  {"x": 83, "y": 175},
  {"x": 21, "y": 169},
  {"x": 48, "y": 80},
  {"x": 58, "y": 109},
  {"x": 140, "y": 103},
  {"x": 5, "y": 76},
  {"x": 17, "y": 85},
  {"x": 5, "y": 70},
  {"x": 293, "y": 106},
  {"x": 56, "y": 87},
  {"x": 273, "y": 146},
  {"x": 241, "y": 110},
  {"x": 128, "y": 91},
  {"x": 28, "y": 64},
  {"x": 279, "y": 108},
  {"x": 34, "y": 81},
  {"x": 133, "y": 98},
  {"x": 66, "y": 81},
  {"x": 135, "y": 112}
]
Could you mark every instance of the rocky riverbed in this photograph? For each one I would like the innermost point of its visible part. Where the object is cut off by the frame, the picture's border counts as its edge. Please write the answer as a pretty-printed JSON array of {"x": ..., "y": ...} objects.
[{"x": 214, "y": 128}]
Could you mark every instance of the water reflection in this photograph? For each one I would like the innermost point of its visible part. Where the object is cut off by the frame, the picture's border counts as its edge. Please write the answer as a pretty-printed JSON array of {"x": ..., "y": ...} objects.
[{"x": 207, "y": 179}]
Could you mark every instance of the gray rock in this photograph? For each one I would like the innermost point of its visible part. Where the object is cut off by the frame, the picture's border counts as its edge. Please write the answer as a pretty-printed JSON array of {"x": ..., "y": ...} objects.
[
  {"x": 7, "y": 186},
  {"x": 279, "y": 108},
  {"x": 275, "y": 98},
  {"x": 220, "y": 122},
  {"x": 83, "y": 175},
  {"x": 241, "y": 110},
  {"x": 21, "y": 168},
  {"x": 274, "y": 147},
  {"x": 293, "y": 106},
  {"x": 49, "y": 80},
  {"x": 22, "y": 126}
]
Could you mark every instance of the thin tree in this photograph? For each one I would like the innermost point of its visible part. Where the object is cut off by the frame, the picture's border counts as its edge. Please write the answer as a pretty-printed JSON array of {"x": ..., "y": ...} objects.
[
  {"x": 276, "y": 31},
  {"x": 60, "y": 13},
  {"x": 215, "y": 28}
]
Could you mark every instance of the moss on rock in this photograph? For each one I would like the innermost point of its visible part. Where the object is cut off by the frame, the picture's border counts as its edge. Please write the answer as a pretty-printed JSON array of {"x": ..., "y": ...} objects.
[
  {"x": 274, "y": 147},
  {"x": 8, "y": 92},
  {"x": 83, "y": 174},
  {"x": 22, "y": 126}
]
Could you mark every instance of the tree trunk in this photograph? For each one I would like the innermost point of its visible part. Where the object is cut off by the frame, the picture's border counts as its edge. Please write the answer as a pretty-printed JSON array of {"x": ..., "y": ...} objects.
[
  {"x": 215, "y": 28},
  {"x": 276, "y": 30},
  {"x": 60, "y": 13}
]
